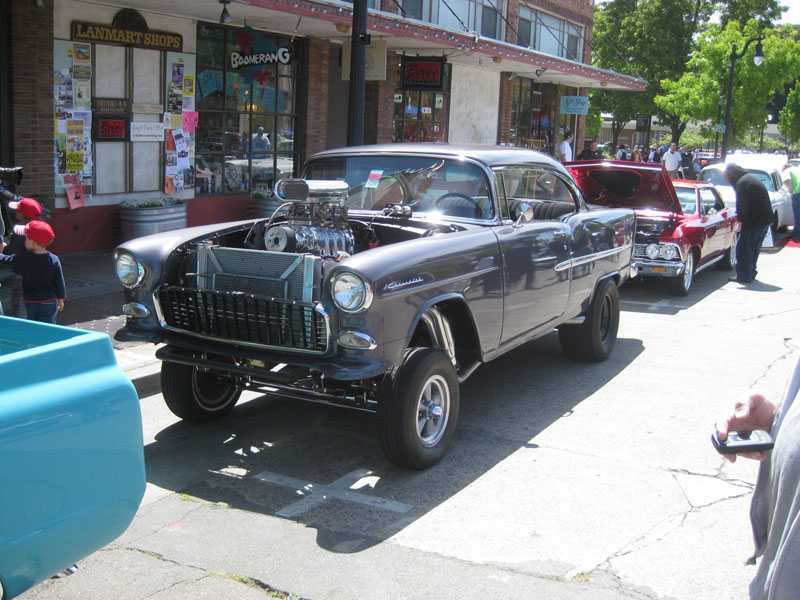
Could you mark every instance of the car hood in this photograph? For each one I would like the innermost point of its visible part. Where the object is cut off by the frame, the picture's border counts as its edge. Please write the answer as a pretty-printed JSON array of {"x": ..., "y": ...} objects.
[{"x": 640, "y": 186}]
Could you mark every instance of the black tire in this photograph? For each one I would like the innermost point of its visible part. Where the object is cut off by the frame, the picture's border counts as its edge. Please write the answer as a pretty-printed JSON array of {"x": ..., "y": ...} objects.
[
  {"x": 197, "y": 395},
  {"x": 595, "y": 338},
  {"x": 418, "y": 409},
  {"x": 728, "y": 262},
  {"x": 682, "y": 284}
]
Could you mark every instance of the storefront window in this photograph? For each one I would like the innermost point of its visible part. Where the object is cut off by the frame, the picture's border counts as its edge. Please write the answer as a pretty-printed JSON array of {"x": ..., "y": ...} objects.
[
  {"x": 422, "y": 116},
  {"x": 532, "y": 115},
  {"x": 247, "y": 109}
]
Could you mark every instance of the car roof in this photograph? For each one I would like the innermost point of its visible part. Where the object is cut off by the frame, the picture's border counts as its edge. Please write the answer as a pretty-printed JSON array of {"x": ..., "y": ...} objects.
[{"x": 489, "y": 155}]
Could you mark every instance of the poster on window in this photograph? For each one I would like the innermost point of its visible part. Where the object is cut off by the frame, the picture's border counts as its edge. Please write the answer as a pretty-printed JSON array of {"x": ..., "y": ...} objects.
[{"x": 175, "y": 92}]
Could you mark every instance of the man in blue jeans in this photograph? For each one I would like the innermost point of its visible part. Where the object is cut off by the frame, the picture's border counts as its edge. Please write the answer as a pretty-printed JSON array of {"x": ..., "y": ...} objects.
[
  {"x": 791, "y": 176},
  {"x": 754, "y": 210}
]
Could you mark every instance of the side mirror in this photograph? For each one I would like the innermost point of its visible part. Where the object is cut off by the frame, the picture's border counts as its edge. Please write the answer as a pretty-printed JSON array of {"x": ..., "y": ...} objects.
[{"x": 525, "y": 214}]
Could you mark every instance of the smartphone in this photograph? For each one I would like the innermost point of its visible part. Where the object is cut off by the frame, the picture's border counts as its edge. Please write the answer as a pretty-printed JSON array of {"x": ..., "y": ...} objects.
[{"x": 757, "y": 440}]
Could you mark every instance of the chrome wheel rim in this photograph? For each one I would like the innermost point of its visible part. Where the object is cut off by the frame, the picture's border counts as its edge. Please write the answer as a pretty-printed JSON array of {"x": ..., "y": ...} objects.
[
  {"x": 688, "y": 272},
  {"x": 433, "y": 410}
]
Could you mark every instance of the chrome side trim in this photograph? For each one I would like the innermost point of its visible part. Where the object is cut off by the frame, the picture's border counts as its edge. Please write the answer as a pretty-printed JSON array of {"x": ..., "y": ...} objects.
[
  {"x": 576, "y": 262},
  {"x": 439, "y": 282}
]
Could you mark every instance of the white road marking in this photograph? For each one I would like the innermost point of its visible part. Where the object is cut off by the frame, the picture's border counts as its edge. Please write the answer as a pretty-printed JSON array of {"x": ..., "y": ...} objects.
[{"x": 341, "y": 489}]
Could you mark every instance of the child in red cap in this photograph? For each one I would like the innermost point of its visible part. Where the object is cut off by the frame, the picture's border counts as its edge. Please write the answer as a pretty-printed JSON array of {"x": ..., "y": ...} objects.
[
  {"x": 43, "y": 289},
  {"x": 25, "y": 211}
]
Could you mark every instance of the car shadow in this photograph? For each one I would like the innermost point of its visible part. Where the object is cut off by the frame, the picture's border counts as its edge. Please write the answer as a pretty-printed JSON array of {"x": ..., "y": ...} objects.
[
  {"x": 650, "y": 294},
  {"x": 317, "y": 464}
]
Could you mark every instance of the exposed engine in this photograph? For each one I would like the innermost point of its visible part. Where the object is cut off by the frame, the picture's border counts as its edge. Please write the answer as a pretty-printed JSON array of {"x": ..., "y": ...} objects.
[{"x": 316, "y": 220}]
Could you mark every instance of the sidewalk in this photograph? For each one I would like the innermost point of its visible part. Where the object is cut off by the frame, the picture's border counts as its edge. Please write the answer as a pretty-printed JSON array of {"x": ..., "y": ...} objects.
[{"x": 94, "y": 302}]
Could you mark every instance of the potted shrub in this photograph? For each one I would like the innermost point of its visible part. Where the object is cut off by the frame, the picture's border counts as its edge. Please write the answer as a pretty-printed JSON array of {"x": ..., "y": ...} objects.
[
  {"x": 265, "y": 201},
  {"x": 151, "y": 215}
]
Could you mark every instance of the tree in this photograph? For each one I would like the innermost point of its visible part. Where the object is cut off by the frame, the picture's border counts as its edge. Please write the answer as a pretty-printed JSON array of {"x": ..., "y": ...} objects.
[
  {"x": 625, "y": 39},
  {"x": 695, "y": 95},
  {"x": 741, "y": 11},
  {"x": 789, "y": 120}
]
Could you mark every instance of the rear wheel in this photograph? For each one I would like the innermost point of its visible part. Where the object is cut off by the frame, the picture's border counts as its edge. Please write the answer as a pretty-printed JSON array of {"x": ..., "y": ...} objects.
[
  {"x": 196, "y": 394},
  {"x": 594, "y": 339},
  {"x": 680, "y": 285},
  {"x": 418, "y": 409}
]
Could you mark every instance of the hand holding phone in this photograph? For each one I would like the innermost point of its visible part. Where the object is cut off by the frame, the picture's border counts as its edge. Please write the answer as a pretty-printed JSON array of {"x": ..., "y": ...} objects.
[{"x": 739, "y": 442}]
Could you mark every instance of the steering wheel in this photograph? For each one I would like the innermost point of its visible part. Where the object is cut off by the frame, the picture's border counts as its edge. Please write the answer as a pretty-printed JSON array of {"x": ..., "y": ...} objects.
[{"x": 473, "y": 202}]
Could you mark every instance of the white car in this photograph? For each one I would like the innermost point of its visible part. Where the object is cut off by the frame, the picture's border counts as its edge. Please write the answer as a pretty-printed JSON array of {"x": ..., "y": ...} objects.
[{"x": 770, "y": 175}]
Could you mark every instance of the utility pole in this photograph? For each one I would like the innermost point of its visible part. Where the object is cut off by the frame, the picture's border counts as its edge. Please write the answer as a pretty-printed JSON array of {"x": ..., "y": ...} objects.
[{"x": 360, "y": 39}]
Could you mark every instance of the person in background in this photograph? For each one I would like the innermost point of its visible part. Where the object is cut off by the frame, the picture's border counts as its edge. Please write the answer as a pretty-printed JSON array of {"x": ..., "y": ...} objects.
[
  {"x": 672, "y": 160},
  {"x": 260, "y": 143},
  {"x": 754, "y": 210},
  {"x": 590, "y": 152},
  {"x": 565, "y": 148},
  {"x": 775, "y": 507},
  {"x": 686, "y": 163},
  {"x": 43, "y": 288},
  {"x": 25, "y": 211},
  {"x": 636, "y": 155},
  {"x": 791, "y": 177},
  {"x": 622, "y": 153},
  {"x": 696, "y": 166}
]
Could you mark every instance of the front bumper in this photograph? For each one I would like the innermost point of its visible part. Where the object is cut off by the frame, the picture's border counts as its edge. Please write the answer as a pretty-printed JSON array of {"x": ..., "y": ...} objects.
[{"x": 660, "y": 268}]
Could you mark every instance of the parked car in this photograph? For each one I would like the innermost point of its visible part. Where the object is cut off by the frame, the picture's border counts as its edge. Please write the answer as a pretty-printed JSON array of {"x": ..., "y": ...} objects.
[
  {"x": 396, "y": 271},
  {"x": 772, "y": 178},
  {"x": 706, "y": 158},
  {"x": 71, "y": 451},
  {"x": 682, "y": 226}
]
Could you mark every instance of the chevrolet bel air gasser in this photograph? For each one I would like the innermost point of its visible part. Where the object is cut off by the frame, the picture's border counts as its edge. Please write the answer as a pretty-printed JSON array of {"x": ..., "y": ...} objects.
[{"x": 384, "y": 280}]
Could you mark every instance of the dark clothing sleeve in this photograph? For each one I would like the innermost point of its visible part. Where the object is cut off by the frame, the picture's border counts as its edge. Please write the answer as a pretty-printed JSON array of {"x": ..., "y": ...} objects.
[
  {"x": 753, "y": 206},
  {"x": 42, "y": 277}
]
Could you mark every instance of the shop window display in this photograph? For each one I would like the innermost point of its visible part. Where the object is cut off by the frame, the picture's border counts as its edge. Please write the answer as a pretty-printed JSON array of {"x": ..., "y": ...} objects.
[
  {"x": 246, "y": 109},
  {"x": 422, "y": 116}
]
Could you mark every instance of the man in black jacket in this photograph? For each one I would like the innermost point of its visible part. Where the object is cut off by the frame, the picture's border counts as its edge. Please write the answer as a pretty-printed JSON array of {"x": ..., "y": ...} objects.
[{"x": 754, "y": 210}]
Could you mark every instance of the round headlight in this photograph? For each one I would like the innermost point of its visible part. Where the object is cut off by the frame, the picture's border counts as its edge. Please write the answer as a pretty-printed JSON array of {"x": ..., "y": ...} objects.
[
  {"x": 652, "y": 251},
  {"x": 129, "y": 270},
  {"x": 668, "y": 252},
  {"x": 350, "y": 292}
]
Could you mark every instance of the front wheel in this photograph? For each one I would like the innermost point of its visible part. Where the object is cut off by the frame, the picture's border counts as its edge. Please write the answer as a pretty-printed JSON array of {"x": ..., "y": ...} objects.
[
  {"x": 728, "y": 262},
  {"x": 418, "y": 409},
  {"x": 680, "y": 285},
  {"x": 196, "y": 394},
  {"x": 595, "y": 338}
]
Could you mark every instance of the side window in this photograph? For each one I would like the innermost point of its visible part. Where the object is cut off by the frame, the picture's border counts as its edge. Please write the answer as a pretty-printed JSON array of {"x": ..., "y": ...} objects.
[
  {"x": 545, "y": 191},
  {"x": 707, "y": 201}
]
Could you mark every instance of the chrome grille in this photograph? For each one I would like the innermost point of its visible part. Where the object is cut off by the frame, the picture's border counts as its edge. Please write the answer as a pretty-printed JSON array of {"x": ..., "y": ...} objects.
[{"x": 245, "y": 318}]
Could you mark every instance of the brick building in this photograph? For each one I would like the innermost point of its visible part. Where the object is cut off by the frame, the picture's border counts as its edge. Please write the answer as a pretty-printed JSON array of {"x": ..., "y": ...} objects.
[{"x": 135, "y": 100}]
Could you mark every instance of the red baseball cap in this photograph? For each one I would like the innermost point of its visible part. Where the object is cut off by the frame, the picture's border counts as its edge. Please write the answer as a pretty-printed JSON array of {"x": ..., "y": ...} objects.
[
  {"x": 27, "y": 206},
  {"x": 39, "y": 231}
]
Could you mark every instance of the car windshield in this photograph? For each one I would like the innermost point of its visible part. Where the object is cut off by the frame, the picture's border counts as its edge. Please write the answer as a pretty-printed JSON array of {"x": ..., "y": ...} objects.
[
  {"x": 428, "y": 184},
  {"x": 714, "y": 177},
  {"x": 688, "y": 199}
]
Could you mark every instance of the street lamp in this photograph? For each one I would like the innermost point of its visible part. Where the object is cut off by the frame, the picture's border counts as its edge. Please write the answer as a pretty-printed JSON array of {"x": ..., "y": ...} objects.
[{"x": 758, "y": 58}]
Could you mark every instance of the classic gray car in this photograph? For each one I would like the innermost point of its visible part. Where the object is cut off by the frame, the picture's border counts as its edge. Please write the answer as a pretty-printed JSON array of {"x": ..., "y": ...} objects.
[{"x": 389, "y": 274}]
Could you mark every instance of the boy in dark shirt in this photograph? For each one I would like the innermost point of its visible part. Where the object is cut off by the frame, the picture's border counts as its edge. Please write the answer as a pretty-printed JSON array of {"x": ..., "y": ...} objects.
[{"x": 43, "y": 289}]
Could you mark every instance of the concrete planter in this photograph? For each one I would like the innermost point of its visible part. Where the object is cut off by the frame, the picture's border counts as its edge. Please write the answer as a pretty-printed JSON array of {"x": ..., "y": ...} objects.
[{"x": 140, "y": 221}]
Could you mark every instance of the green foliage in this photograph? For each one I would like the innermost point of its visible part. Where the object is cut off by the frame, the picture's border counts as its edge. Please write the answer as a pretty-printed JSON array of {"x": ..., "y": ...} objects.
[
  {"x": 695, "y": 95},
  {"x": 594, "y": 120},
  {"x": 789, "y": 120},
  {"x": 156, "y": 202},
  {"x": 741, "y": 11}
]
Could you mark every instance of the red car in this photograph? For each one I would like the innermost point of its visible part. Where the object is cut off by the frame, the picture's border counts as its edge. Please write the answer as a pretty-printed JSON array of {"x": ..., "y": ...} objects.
[{"x": 682, "y": 227}]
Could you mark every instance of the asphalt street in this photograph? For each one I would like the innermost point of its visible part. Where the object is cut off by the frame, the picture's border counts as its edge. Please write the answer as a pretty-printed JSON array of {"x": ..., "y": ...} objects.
[{"x": 566, "y": 480}]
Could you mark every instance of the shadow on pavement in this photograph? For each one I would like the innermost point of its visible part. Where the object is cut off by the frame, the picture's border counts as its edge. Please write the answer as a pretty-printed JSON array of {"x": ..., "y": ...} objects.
[{"x": 270, "y": 455}]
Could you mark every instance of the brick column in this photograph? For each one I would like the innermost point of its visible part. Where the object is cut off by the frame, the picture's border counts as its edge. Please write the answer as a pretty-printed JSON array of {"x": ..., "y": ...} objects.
[
  {"x": 314, "y": 115},
  {"x": 32, "y": 107},
  {"x": 504, "y": 114},
  {"x": 379, "y": 105}
]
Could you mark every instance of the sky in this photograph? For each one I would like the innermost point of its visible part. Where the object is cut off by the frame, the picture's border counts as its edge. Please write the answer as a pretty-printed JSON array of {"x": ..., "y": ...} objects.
[{"x": 791, "y": 16}]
